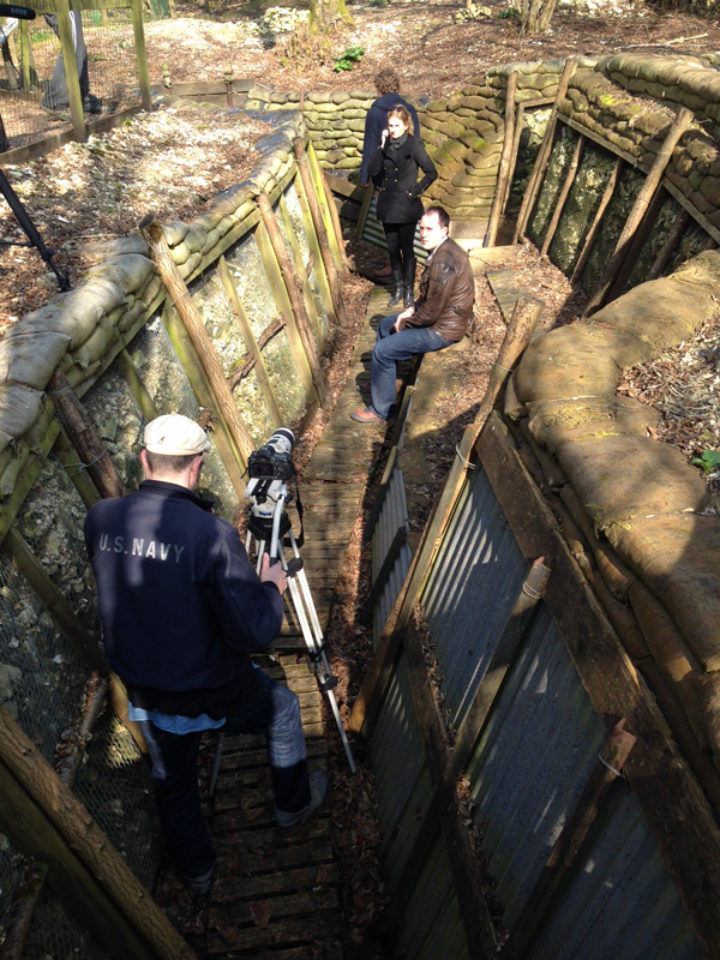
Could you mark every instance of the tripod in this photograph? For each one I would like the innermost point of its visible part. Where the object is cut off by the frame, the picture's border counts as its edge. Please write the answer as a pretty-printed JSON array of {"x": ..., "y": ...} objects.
[{"x": 267, "y": 530}]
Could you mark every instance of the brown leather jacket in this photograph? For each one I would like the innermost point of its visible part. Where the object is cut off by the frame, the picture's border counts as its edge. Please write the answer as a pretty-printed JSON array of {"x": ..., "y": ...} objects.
[{"x": 447, "y": 293}]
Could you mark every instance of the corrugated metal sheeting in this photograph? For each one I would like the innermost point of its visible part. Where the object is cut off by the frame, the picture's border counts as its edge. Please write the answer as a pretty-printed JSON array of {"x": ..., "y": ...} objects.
[
  {"x": 537, "y": 749},
  {"x": 471, "y": 591},
  {"x": 431, "y": 926},
  {"x": 392, "y": 518},
  {"x": 373, "y": 231}
]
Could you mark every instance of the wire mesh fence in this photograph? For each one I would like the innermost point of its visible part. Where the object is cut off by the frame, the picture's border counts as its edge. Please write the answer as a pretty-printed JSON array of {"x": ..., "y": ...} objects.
[
  {"x": 34, "y": 99},
  {"x": 46, "y": 686}
]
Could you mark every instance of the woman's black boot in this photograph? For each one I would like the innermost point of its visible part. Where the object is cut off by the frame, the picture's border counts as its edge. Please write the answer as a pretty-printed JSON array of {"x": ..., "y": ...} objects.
[
  {"x": 409, "y": 283},
  {"x": 397, "y": 296}
]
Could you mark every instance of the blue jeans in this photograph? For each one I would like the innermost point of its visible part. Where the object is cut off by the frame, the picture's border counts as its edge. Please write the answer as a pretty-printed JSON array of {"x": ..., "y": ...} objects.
[
  {"x": 274, "y": 711},
  {"x": 389, "y": 349}
]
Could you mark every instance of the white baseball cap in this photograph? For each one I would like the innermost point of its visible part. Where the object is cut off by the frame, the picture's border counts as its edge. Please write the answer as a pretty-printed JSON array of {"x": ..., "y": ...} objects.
[{"x": 175, "y": 435}]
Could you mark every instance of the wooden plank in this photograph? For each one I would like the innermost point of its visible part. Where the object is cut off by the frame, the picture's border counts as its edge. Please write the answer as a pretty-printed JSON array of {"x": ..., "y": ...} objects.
[
  {"x": 70, "y": 822},
  {"x": 639, "y": 208},
  {"x": 289, "y": 930},
  {"x": 637, "y": 242},
  {"x": 542, "y": 160},
  {"x": 36, "y": 836},
  {"x": 508, "y": 145},
  {"x": 342, "y": 186},
  {"x": 562, "y": 196},
  {"x": 238, "y": 887},
  {"x": 597, "y": 220},
  {"x": 677, "y": 812},
  {"x": 286, "y": 905}
]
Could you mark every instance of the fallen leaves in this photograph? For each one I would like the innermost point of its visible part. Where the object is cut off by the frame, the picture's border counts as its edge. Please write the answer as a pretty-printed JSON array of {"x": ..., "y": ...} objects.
[{"x": 170, "y": 163}]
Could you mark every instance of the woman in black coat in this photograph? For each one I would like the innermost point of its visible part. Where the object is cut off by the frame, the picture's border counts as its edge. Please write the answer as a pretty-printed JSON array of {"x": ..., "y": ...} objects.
[{"x": 395, "y": 167}]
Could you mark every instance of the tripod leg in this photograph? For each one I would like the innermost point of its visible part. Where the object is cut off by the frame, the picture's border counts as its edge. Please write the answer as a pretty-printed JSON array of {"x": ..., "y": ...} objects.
[{"x": 216, "y": 764}]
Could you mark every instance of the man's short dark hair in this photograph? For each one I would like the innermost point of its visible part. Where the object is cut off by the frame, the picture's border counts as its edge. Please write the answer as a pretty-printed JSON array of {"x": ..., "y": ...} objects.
[
  {"x": 169, "y": 463},
  {"x": 443, "y": 217},
  {"x": 387, "y": 81}
]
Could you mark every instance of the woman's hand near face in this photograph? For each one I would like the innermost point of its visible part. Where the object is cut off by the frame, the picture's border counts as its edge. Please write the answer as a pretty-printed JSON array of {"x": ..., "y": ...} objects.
[{"x": 383, "y": 136}]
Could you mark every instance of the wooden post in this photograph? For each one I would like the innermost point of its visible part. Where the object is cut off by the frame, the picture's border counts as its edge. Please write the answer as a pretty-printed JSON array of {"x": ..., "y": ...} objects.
[
  {"x": 564, "y": 192},
  {"x": 668, "y": 248},
  {"x": 334, "y": 235},
  {"x": 250, "y": 341},
  {"x": 468, "y": 884},
  {"x": 230, "y": 454},
  {"x": 543, "y": 157},
  {"x": 295, "y": 294},
  {"x": 325, "y": 249},
  {"x": 519, "y": 117},
  {"x": 301, "y": 271},
  {"x": 68, "y": 457},
  {"x": 335, "y": 219},
  {"x": 72, "y": 80},
  {"x": 612, "y": 759},
  {"x": 505, "y": 157},
  {"x": 85, "y": 869},
  {"x": 597, "y": 220},
  {"x": 25, "y": 55},
  {"x": 636, "y": 244},
  {"x": 183, "y": 302},
  {"x": 141, "y": 54},
  {"x": 137, "y": 387},
  {"x": 364, "y": 210},
  {"x": 284, "y": 305},
  {"x": 317, "y": 261},
  {"x": 519, "y": 330},
  {"x": 652, "y": 180},
  {"x": 81, "y": 430}
]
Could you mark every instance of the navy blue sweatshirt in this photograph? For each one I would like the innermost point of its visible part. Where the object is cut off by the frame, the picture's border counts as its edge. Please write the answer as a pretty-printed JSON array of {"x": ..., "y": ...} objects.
[{"x": 180, "y": 603}]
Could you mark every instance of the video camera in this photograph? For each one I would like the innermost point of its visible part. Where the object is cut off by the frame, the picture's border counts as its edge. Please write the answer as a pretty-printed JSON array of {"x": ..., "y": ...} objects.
[
  {"x": 270, "y": 468},
  {"x": 274, "y": 461}
]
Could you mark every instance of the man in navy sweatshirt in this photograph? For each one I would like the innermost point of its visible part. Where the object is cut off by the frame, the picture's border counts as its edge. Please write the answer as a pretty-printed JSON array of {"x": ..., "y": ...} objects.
[{"x": 182, "y": 608}]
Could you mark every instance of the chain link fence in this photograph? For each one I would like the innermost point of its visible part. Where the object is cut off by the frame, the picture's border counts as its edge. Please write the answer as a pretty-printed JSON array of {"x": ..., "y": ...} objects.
[{"x": 34, "y": 100}]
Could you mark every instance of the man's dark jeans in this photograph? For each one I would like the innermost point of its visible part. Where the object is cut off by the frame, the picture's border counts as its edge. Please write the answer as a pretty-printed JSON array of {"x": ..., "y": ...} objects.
[
  {"x": 275, "y": 711},
  {"x": 389, "y": 349}
]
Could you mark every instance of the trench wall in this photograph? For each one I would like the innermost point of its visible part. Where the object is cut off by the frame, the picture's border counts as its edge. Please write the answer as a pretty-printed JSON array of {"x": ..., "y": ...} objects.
[{"x": 123, "y": 352}]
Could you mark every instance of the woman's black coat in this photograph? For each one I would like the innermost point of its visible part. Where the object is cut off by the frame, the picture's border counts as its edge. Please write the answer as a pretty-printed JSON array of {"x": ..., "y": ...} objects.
[{"x": 399, "y": 189}]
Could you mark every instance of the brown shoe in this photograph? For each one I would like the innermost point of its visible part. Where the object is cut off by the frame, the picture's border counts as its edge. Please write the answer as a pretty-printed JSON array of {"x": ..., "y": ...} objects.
[{"x": 366, "y": 415}]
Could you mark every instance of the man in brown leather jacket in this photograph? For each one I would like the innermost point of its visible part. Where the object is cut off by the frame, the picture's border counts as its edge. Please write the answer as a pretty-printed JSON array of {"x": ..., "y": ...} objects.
[{"x": 439, "y": 317}]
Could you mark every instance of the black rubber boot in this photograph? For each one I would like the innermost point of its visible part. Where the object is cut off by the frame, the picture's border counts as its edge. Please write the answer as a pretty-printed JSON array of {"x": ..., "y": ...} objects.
[{"x": 397, "y": 297}]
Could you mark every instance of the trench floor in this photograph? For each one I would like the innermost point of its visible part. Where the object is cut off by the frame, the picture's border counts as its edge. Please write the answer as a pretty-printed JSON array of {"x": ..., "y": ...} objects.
[{"x": 277, "y": 894}]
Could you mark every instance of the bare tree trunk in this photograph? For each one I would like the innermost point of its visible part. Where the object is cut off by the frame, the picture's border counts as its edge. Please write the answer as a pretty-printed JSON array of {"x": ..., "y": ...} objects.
[
  {"x": 536, "y": 16},
  {"x": 326, "y": 14}
]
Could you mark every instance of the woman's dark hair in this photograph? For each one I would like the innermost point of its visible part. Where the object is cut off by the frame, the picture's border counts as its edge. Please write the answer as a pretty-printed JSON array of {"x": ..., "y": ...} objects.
[
  {"x": 402, "y": 113},
  {"x": 387, "y": 81}
]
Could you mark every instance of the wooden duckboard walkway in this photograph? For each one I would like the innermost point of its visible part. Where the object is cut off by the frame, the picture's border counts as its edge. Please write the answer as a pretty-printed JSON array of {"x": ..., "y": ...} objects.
[{"x": 276, "y": 893}]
